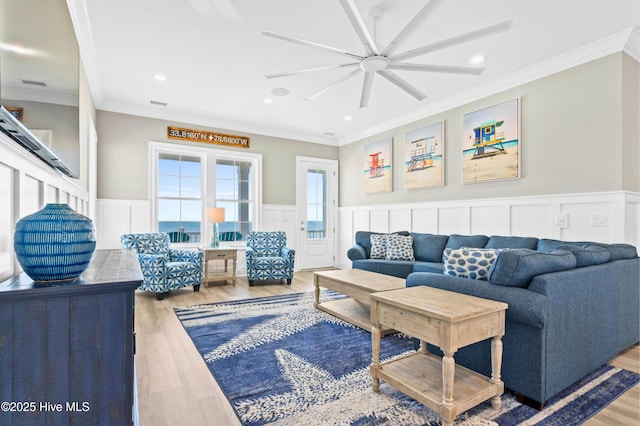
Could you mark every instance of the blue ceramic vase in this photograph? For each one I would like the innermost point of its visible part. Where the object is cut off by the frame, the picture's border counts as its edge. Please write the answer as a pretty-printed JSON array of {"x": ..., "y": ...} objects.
[{"x": 54, "y": 244}]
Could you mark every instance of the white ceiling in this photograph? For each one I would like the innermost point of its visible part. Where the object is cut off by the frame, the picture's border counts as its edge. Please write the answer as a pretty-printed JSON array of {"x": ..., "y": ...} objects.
[{"x": 214, "y": 57}]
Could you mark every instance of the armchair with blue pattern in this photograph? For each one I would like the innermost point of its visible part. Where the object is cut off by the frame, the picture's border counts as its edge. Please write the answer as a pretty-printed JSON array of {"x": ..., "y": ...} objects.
[
  {"x": 268, "y": 258},
  {"x": 163, "y": 268}
]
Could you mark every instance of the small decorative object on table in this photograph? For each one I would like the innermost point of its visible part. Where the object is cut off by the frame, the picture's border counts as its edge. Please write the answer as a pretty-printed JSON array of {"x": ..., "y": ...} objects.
[{"x": 55, "y": 243}]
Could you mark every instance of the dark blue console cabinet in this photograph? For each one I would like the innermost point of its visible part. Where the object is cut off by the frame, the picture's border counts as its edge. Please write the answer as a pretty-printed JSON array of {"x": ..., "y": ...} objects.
[{"x": 67, "y": 349}]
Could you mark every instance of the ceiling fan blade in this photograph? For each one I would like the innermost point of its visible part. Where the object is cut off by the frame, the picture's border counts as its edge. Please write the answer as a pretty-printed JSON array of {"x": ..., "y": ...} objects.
[
  {"x": 449, "y": 69},
  {"x": 411, "y": 26},
  {"x": 366, "y": 89},
  {"x": 403, "y": 84},
  {"x": 463, "y": 38},
  {"x": 308, "y": 43},
  {"x": 330, "y": 67},
  {"x": 335, "y": 83},
  {"x": 361, "y": 29}
]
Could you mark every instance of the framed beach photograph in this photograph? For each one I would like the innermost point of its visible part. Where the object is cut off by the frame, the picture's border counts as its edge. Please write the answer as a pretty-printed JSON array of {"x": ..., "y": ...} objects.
[
  {"x": 424, "y": 157},
  {"x": 378, "y": 166},
  {"x": 491, "y": 143}
]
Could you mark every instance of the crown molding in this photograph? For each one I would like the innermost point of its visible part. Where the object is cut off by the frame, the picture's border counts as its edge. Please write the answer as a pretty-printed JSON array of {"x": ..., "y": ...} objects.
[
  {"x": 84, "y": 36},
  {"x": 632, "y": 47},
  {"x": 623, "y": 41},
  {"x": 220, "y": 124}
]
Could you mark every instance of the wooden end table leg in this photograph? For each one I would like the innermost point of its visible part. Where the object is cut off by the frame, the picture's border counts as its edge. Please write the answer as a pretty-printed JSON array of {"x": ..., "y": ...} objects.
[
  {"x": 316, "y": 289},
  {"x": 375, "y": 357},
  {"x": 206, "y": 271},
  {"x": 496, "y": 367},
  {"x": 448, "y": 373}
]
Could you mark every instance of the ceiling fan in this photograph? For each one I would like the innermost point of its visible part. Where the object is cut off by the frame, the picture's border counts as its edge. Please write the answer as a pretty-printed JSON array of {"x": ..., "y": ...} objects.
[{"x": 384, "y": 61}]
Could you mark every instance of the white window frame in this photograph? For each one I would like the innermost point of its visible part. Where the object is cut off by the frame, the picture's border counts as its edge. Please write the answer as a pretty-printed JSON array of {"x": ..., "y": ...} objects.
[{"x": 208, "y": 157}]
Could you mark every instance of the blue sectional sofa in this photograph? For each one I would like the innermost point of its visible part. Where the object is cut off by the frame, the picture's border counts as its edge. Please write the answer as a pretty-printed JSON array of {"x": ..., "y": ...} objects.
[{"x": 572, "y": 305}]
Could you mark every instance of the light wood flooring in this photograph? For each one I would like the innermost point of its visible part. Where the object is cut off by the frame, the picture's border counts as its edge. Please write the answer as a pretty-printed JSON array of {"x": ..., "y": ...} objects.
[{"x": 175, "y": 386}]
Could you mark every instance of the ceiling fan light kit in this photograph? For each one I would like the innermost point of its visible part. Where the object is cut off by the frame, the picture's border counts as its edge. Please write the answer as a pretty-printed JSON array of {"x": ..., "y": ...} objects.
[{"x": 381, "y": 62}]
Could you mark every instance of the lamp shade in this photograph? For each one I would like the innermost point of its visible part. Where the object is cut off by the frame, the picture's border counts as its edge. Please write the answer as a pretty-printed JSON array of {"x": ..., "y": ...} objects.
[{"x": 215, "y": 214}]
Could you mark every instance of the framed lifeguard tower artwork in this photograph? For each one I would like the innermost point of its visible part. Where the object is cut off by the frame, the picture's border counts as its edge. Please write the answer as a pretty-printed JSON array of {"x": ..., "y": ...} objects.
[
  {"x": 424, "y": 157},
  {"x": 378, "y": 166},
  {"x": 491, "y": 146}
]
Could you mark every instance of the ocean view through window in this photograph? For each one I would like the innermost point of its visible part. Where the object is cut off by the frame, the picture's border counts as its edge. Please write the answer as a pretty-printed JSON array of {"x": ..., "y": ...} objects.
[
  {"x": 180, "y": 197},
  {"x": 234, "y": 192},
  {"x": 187, "y": 180}
]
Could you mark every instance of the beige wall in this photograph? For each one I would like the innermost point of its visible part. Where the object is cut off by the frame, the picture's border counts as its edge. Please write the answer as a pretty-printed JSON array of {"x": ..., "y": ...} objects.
[
  {"x": 630, "y": 124},
  {"x": 123, "y": 151},
  {"x": 87, "y": 109},
  {"x": 575, "y": 138}
]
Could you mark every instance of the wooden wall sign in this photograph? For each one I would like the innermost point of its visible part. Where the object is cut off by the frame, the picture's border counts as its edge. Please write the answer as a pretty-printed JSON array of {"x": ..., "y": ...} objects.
[{"x": 207, "y": 137}]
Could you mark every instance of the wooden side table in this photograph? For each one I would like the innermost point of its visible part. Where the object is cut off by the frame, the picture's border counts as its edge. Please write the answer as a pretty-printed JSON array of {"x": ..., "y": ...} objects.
[
  {"x": 450, "y": 321},
  {"x": 220, "y": 253}
]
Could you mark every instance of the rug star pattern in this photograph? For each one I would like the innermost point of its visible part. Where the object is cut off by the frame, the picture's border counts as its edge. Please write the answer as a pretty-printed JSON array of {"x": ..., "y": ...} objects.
[{"x": 282, "y": 362}]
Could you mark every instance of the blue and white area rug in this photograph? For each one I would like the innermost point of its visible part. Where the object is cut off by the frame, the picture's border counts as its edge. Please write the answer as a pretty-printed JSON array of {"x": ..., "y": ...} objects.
[{"x": 279, "y": 361}]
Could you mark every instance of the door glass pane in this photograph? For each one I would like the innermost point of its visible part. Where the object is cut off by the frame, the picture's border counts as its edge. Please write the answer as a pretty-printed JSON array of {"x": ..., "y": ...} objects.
[{"x": 316, "y": 204}]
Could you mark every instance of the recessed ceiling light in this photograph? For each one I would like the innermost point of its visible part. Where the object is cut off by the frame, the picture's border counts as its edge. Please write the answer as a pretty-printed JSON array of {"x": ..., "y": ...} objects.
[
  {"x": 477, "y": 59},
  {"x": 160, "y": 77},
  {"x": 158, "y": 103},
  {"x": 280, "y": 91},
  {"x": 268, "y": 101},
  {"x": 347, "y": 118}
]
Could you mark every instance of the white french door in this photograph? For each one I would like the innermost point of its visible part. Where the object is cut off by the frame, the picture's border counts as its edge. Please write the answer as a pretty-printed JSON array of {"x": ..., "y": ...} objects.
[{"x": 316, "y": 212}]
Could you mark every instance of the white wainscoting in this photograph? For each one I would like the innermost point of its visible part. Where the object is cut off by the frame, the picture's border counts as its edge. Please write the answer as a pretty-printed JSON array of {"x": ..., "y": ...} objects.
[
  {"x": 605, "y": 217},
  {"x": 26, "y": 185},
  {"x": 609, "y": 217},
  {"x": 117, "y": 217}
]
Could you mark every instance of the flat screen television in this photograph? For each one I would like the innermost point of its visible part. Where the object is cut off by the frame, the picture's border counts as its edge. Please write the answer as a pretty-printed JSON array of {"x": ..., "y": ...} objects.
[{"x": 39, "y": 81}]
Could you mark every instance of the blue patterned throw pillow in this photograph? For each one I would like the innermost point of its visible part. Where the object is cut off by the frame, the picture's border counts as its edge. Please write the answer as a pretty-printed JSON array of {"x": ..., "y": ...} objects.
[
  {"x": 399, "y": 247},
  {"x": 378, "y": 246},
  {"x": 471, "y": 263}
]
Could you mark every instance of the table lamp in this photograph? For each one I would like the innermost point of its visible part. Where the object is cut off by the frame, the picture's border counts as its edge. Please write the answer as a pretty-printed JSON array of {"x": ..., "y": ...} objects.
[{"x": 215, "y": 215}]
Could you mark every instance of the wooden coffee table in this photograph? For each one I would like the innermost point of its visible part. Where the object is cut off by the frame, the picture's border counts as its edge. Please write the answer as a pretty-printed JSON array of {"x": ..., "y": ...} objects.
[
  {"x": 450, "y": 321},
  {"x": 358, "y": 284}
]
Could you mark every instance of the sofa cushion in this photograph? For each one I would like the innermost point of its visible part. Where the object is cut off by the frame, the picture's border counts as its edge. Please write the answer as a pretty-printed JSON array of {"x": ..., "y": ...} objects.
[
  {"x": 618, "y": 251},
  {"x": 396, "y": 268},
  {"x": 499, "y": 242},
  {"x": 545, "y": 245},
  {"x": 378, "y": 246},
  {"x": 434, "y": 267},
  {"x": 457, "y": 241},
  {"x": 468, "y": 262},
  {"x": 399, "y": 247},
  {"x": 428, "y": 247},
  {"x": 518, "y": 267},
  {"x": 587, "y": 256}
]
